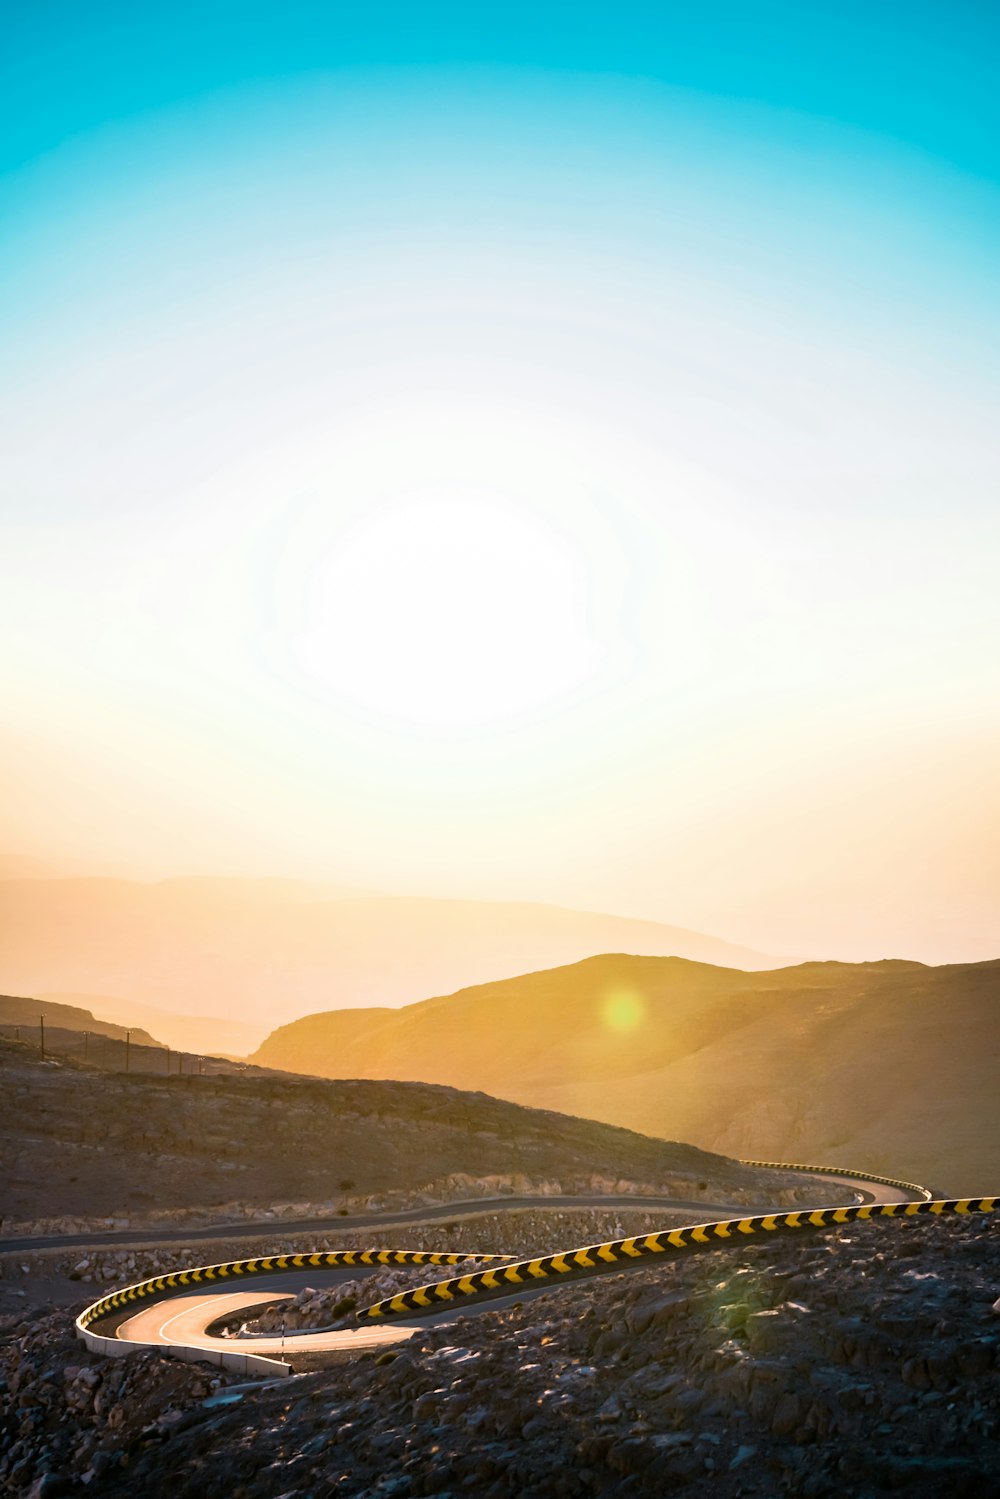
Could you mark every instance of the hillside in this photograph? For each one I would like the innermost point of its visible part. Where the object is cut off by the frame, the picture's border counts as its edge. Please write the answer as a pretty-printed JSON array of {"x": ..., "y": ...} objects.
[
  {"x": 890, "y": 1066},
  {"x": 264, "y": 951},
  {"x": 17, "y": 1012},
  {"x": 74, "y": 1140},
  {"x": 191, "y": 1033}
]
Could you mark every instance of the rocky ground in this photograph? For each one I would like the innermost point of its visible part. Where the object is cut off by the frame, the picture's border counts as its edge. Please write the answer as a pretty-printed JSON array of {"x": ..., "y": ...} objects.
[
  {"x": 831, "y": 1364},
  {"x": 75, "y": 1141},
  {"x": 334, "y": 1306}
]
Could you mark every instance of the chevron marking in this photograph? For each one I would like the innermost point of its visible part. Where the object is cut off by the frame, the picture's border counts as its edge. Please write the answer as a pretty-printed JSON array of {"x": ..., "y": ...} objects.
[{"x": 589, "y": 1260}]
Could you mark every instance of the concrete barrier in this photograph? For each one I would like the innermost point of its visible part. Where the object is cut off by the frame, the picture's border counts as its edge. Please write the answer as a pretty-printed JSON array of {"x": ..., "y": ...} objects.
[{"x": 225, "y": 1358}]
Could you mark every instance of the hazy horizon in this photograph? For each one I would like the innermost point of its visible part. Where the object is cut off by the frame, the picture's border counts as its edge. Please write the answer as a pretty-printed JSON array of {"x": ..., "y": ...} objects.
[
  {"x": 14, "y": 868},
  {"x": 549, "y": 461}
]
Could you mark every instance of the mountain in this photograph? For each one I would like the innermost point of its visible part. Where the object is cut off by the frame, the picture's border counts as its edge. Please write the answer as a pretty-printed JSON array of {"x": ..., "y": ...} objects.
[
  {"x": 200, "y": 1034},
  {"x": 265, "y": 951},
  {"x": 890, "y": 1066},
  {"x": 17, "y": 1012}
]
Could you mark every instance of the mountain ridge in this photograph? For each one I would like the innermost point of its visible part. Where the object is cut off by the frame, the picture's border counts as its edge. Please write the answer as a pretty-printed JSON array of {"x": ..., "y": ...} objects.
[
  {"x": 887, "y": 1063},
  {"x": 265, "y": 952}
]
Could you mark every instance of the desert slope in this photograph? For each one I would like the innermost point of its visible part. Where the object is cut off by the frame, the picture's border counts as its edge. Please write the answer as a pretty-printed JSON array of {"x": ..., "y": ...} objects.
[
  {"x": 887, "y": 1065},
  {"x": 265, "y": 951}
]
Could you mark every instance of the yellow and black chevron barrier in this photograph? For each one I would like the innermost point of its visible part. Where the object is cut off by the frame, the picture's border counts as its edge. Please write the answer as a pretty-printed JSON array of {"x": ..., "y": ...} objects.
[
  {"x": 621, "y": 1254},
  {"x": 865, "y": 1176},
  {"x": 274, "y": 1264},
  {"x": 504, "y": 1278}
]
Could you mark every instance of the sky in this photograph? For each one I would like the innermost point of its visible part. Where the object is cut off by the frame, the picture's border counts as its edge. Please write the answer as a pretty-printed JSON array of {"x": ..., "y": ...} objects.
[{"x": 531, "y": 452}]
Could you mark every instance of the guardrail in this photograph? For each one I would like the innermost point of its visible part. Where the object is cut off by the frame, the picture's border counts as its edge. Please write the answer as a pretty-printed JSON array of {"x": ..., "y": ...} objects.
[
  {"x": 159, "y": 1286},
  {"x": 922, "y": 1193},
  {"x": 621, "y": 1254},
  {"x": 225, "y": 1358},
  {"x": 503, "y": 1279}
]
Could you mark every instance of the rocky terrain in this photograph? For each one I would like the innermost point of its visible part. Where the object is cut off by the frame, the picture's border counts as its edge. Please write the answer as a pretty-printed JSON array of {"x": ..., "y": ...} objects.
[
  {"x": 335, "y": 1305},
  {"x": 75, "y": 1141},
  {"x": 852, "y": 1363},
  {"x": 886, "y": 1066}
]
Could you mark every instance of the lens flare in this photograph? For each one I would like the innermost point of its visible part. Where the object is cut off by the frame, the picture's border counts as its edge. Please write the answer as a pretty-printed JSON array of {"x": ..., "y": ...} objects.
[{"x": 623, "y": 1010}]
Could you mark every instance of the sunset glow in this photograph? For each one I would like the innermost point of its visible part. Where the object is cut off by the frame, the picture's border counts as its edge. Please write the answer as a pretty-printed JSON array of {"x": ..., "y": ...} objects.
[{"x": 511, "y": 469}]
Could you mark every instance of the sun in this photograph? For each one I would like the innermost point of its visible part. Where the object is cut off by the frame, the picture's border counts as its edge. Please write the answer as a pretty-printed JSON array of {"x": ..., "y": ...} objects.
[
  {"x": 437, "y": 583},
  {"x": 449, "y": 609}
]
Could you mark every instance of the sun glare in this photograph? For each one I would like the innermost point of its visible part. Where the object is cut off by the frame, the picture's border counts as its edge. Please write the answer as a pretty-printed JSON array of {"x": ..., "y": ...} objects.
[
  {"x": 437, "y": 579},
  {"x": 623, "y": 1010},
  {"x": 449, "y": 610}
]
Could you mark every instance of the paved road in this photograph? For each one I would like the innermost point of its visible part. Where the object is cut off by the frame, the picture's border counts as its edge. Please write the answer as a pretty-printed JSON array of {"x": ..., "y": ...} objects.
[
  {"x": 438, "y": 1213},
  {"x": 280, "y": 1227},
  {"x": 867, "y": 1191},
  {"x": 183, "y": 1319}
]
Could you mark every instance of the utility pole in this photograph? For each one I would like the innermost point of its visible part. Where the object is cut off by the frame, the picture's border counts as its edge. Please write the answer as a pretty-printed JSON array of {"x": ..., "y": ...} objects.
[
  {"x": 168, "y": 1061},
  {"x": 41, "y": 1027},
  {"x": 128, "y": 1038},
  {"x": 86, "y": 1045}
]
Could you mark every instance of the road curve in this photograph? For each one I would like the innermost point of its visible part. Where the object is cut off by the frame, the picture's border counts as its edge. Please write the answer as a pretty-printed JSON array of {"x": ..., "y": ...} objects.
[
  {"x": 182, "y": 1314},
  {"x": 184, "y": 1321},
  {"x": 444, "y": 1212},
  {"x": 871, "y": 1189}
]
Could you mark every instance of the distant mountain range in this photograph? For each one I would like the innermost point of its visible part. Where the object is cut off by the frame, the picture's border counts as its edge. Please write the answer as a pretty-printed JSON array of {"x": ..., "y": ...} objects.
[
  {"x": 260, "y": 952},
  {"x": 890, "y": 1066}
]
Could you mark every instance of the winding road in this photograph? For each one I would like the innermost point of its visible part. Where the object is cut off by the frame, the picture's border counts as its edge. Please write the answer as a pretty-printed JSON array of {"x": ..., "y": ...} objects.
[
  {"x": 181, "y": 1309},
  {"x": 255, "y": 1228}
]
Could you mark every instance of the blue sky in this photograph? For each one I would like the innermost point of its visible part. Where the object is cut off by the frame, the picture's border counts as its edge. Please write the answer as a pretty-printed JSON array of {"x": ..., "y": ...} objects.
[
  {"x": 922, "y": 73},
  {"x": 657, "y": 344}
]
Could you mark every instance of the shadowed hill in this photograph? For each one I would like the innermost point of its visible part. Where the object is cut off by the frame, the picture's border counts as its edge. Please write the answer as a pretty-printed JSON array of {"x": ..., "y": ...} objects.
[
  {"x": 265, "y": 951},
  {"x": 25, "y": 1014},
  {"x": 191, "y": 1033},
  {"x": 886, "y": 1065}
]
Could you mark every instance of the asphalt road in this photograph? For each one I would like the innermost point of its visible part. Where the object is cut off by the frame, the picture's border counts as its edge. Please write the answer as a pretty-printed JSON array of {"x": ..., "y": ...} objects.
[
  {"x": 443, "y": 1212},
  {"x": 439, "y": 1213},
  {"x": 184, "y": 1319}
]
